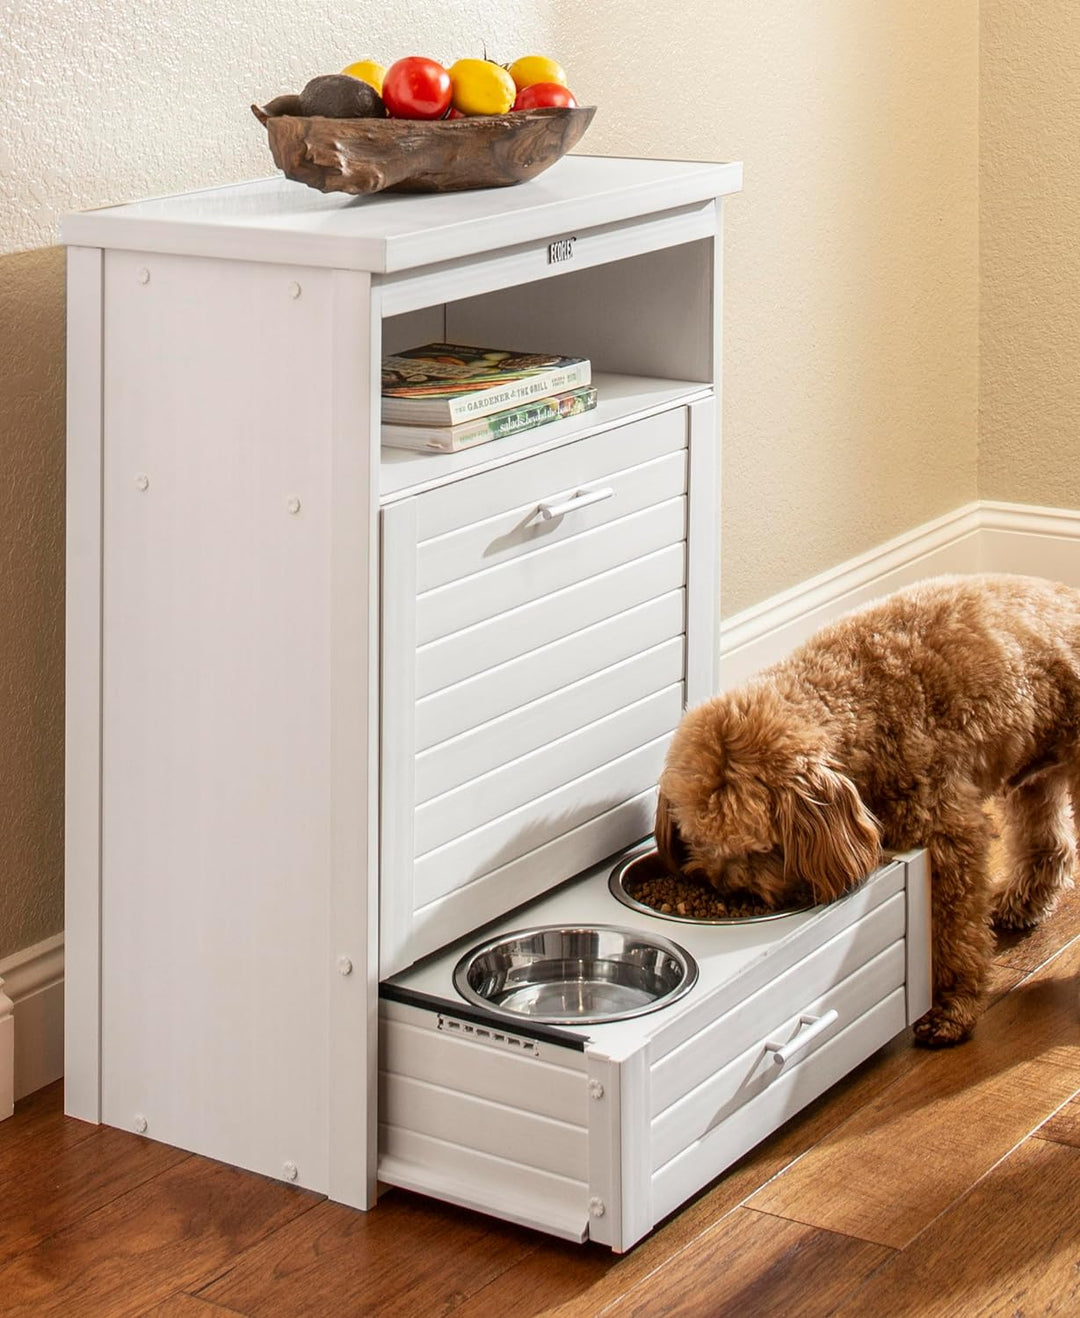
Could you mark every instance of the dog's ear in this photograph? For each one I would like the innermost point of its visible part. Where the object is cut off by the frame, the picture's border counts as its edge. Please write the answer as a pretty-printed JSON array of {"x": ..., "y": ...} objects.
[
  {"x": 670, "y": 846},
  {"x": 830, "y": 839}
]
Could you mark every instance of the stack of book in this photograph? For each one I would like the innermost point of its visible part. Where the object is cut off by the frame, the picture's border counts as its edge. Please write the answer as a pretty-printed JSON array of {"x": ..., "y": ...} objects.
[{"x": 446, "y": 396}]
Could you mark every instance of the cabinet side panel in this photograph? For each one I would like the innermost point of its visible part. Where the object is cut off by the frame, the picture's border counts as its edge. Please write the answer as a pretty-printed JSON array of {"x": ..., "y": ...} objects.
[
  {"x": 82, "y": 809},
  {"x": 352, "y": 1077},
  {"x": 217, "y": 835},
  {"x": 920, "y": 989}
]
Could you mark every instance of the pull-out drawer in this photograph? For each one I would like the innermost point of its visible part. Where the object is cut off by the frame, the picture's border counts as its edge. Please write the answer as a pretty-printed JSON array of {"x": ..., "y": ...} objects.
[
  {"x": 534, "y": 667},
  {"x": 600, "y": 1131}
]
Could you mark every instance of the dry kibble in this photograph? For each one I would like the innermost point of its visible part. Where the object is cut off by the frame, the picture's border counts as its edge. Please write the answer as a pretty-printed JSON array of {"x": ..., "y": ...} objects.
[{"x": 649, "y": 883}]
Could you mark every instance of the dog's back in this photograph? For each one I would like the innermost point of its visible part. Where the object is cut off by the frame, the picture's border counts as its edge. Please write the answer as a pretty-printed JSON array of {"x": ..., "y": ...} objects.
[{"x": 979, "y": 669}]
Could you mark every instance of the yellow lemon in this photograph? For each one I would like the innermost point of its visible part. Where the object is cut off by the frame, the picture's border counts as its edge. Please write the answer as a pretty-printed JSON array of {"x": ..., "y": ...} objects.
[
  {"x": 531, "y": 69},
  {"x": 479, "y": 87},
  {"x": 367, "y": 71}
]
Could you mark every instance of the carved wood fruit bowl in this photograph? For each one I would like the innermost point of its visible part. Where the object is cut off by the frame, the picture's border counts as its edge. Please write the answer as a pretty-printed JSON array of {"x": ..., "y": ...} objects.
[{"x": 361, "y": 156}]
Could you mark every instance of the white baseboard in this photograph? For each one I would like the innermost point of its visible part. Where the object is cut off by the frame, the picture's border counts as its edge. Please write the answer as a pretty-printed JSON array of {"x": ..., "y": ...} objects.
[
  {"x": 32, "y": 1055},
  {"x": 766, "y": 632},
  {"x": 1041, "y": 542},
  {"x": 979, "y": 537},
  {"x": 7, "y": 1055}
]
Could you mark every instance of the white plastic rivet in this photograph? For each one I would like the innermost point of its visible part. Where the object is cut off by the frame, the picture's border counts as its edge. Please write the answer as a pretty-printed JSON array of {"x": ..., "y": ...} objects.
[
  {"x": 344, "y": 965},
  {"x": 142, "y": 482},
  {"x": 142, "y": 275},
  {"x": 290, "y": 1171},
  {"x": 597, "y": 1207},
  {"x": 140, "y": 1125},
  {"x": 293, "y": 505},
  {"x": 294, "y": 289},
  {"x": 596, "y": 1089}
]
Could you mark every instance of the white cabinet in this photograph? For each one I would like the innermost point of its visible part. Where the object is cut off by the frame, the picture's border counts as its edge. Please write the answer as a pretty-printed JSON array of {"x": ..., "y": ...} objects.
[{"x": 331, "y": 709}]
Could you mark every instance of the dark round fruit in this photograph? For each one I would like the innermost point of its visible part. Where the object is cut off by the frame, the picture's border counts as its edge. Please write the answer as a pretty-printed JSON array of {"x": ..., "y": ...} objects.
[{"x": 339, "y": 96}]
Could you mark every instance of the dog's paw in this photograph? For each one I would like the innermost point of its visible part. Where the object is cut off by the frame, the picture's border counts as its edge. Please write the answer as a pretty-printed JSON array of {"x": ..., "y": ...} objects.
[
  {"x": 1014, "y": 922},
  {"x": 1010, "y": 915},
  {"x": 944, "y": 1027}
]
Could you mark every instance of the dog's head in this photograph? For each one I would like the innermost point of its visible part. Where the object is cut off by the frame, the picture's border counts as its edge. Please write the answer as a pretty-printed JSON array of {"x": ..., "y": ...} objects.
[{"x": 749, "y": 801}]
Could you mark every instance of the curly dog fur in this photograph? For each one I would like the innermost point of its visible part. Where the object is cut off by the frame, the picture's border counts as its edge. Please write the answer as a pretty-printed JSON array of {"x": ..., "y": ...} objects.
[{"x": 891, "y": 729}]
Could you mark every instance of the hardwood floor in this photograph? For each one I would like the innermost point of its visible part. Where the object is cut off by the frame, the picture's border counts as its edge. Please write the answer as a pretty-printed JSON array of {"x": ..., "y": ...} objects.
[{"x": 924, "y": 1184}]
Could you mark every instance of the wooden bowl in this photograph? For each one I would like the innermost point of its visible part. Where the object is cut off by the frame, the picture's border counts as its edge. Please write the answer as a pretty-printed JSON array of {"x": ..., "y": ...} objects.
[{"x": 421, "y": 155}]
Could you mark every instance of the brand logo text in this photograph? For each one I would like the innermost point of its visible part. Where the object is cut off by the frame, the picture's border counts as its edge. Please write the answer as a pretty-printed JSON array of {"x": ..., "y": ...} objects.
[{"x": 563, "y": 250}]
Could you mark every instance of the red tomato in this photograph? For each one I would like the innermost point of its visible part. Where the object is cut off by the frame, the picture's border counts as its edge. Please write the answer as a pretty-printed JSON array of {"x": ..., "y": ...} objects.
[
  {"x": 541, "y": 94},
  {"x": 416, "y": 88}
]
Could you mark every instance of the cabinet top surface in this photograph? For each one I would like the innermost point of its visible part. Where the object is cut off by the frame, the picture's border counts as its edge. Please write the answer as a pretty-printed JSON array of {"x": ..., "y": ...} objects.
[{"x": 281, "y": 221}]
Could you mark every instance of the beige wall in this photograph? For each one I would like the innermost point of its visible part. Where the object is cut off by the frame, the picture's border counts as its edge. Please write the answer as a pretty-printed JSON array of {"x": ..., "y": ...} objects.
[
  {"x": 850, "y": 356},
  {"x": 852, "y": 280},
  {"x": 1030, "y": 234},
  {"x": 31, "y": 597}
]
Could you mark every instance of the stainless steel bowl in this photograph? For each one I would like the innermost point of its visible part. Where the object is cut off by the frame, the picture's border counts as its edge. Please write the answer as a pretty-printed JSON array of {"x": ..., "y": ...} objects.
[
  {"x": 642, "y": 863},
  {"x": 575, "y": 976}
]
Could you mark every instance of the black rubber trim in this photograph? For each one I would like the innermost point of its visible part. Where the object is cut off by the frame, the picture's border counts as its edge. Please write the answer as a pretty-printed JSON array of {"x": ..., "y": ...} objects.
[{"x": 446, "y": 1007}]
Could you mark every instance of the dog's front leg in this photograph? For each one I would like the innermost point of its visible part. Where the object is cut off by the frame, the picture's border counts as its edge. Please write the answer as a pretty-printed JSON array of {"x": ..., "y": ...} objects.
[{"x": 962, "y": 943}]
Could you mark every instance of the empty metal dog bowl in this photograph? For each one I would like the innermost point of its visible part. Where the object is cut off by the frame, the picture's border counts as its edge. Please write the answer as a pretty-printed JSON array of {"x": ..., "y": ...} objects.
[
  {"x": 574, "y": 976},
  {"x": 643, "y": 863}
]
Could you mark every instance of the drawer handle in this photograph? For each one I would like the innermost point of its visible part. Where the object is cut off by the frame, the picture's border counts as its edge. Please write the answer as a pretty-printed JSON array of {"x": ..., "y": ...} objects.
[
  {"x": 583, "y": 499},
  {"x": 814, "y": 1025}
]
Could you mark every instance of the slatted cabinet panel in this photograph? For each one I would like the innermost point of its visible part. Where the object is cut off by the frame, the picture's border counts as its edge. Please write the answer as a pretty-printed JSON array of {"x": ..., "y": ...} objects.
[{"x": 540, "y": 672}]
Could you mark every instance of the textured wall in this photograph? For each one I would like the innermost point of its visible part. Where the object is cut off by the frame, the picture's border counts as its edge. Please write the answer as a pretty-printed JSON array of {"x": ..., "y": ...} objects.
[
  {"x": 31, "y": 597},
  {"x": 850, "y": 359},
  {"x": 106, "y": 101},
  {"x": 1030, "y": 230}
]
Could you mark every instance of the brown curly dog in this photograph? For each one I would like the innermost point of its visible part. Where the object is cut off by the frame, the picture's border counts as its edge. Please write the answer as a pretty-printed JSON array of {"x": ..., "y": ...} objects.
[{"x": 892, "y": 728}]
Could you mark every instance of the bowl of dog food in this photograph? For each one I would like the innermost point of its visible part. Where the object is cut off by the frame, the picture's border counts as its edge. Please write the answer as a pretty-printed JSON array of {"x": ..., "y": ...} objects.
[
  {"x": 643, "y": 882},
  {"x": 580, "y": 975}
]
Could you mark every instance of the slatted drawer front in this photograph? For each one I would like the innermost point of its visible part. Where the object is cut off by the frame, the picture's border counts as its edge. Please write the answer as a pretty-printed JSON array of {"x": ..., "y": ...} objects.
[
  {"x": 472, "y": 854},
  {"x": 525, "y": 630},
  {"x": 700, "y": 1059},
  {"x": 551, "y": 568},
  {"x": 549, "y": 665},
  {"x": 518, "y": 782},
  {"x": 484, "y": 747},
  {"x": 551, "y": 668},
  {"x": 491, "y": 1122},
  {"x": 524, "y": 529},
  {"x": 469, "y": 502},
  {"x": 751, "y": 1072}
]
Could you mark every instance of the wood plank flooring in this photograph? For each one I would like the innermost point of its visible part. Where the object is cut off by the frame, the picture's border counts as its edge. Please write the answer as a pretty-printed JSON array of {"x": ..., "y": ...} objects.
[{"x": 923, "y": 1184}]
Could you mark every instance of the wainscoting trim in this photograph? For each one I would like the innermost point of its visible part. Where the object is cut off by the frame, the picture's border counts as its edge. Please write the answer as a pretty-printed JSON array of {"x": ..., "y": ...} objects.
[
  {"x": 32, "y": 1023},
  {"x": 766, "y": 632},
  {"x": 7, "y": 1055}
]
